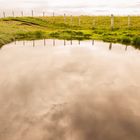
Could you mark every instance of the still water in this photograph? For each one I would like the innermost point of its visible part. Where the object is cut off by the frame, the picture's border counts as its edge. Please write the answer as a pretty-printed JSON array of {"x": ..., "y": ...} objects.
[{"x": 69, "y": 90}]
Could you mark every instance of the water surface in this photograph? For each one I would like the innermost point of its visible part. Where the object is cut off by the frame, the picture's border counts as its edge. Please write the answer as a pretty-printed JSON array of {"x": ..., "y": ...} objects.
[{"x": 69, "y": 90}]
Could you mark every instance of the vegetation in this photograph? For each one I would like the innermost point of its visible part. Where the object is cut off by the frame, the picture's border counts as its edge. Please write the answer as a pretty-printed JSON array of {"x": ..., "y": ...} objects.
[
  {"x": 90, "y": 27},
  {"x": 136, "y": 42}
]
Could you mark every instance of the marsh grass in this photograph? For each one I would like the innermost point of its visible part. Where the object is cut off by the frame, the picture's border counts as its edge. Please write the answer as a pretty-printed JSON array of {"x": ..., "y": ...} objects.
[
  {"x": 70, "y": 34},
  {"x": 136, "y": 42}
]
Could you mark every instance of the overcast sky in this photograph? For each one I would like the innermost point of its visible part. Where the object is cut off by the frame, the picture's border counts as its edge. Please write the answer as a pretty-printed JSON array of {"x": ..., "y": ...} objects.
[{"x": 74, "y": 6}]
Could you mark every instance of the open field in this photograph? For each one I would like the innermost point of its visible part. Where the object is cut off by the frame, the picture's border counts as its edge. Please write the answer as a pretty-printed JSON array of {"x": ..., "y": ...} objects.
[{"x": 88, "y": 27}]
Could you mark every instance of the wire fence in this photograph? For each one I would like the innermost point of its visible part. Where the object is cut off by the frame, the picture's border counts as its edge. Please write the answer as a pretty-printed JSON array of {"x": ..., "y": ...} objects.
[{"x": 107, "y": 21}]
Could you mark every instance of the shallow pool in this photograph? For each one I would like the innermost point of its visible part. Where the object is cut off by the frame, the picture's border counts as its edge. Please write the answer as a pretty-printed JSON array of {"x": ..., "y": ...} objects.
[{"x": 69, "y": 90}]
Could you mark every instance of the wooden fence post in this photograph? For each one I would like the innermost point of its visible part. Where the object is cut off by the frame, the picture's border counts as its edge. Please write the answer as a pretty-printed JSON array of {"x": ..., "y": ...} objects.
[
  {"x": 53, "y": 17},
  {"x": 112, "y": 22},
  {"x": 22, "y": 13},
  {"x": 94, "y": 23},
  {"x": 129, "y": 22},
  {"x": 79, "y": 21},
  {"x": 43, "y": 14},
  {"x": 4, "y": 14},
  {"x": 71, "y": 20},
  {"x": 32, "y": 13},
  {"x": 64, "y": 18},
  {"x": 13, "y": 14}
]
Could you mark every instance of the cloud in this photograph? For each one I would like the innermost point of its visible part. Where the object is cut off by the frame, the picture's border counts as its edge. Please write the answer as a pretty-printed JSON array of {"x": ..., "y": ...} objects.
[
  {"x": 119, "y": 6},
  {"x": 137, "y": 5}
]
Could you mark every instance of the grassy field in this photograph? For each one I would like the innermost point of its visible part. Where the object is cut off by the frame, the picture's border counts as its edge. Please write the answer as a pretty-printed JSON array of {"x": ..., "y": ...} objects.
[{"x": 97, "y": 28}]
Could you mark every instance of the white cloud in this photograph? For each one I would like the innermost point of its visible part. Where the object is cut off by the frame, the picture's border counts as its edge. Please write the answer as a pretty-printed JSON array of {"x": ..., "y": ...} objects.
[{"x": 85, "y": 6}]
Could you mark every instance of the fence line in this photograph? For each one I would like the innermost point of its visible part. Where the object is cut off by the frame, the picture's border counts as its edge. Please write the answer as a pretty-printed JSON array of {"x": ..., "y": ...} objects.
[
  {"x": 94, "y": 22},
  {"x": 32, "y": 13}
]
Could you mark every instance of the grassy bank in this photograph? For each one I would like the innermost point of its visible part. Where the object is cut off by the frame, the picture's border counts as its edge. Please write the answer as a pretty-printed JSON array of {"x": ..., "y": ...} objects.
[{"x": 97, "y": 27}]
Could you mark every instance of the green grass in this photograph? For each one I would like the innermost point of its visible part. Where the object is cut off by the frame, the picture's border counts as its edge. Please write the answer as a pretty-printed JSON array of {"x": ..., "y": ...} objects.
[
  {"x": 136, "y": 42},
  {"x": 91, "y": 27}
]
